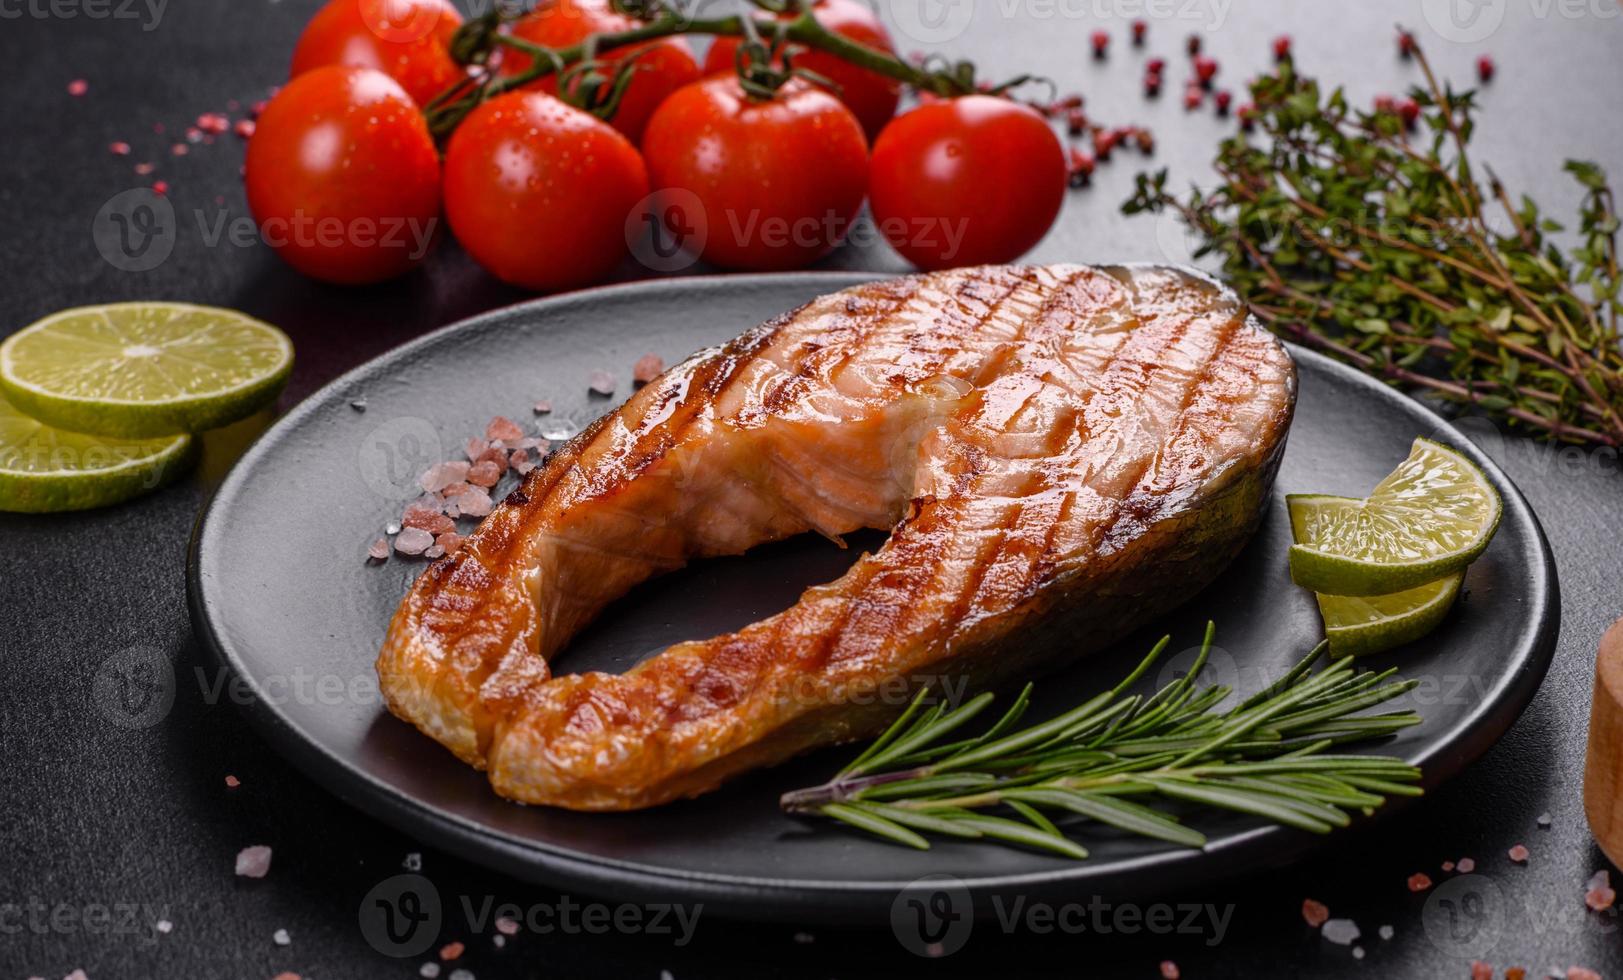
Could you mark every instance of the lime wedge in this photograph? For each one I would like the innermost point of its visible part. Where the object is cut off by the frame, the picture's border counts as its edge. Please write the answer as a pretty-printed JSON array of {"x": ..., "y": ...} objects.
[
  {"x": 1429, "y": 519},
  {"x": 44, "y": 469},
  {"x": 136, "y": 370},
  {"x": 1358, "y": 626}
]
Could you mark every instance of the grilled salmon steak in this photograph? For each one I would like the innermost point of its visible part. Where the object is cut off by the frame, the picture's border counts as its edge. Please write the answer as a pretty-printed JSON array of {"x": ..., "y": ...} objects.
[{"x": 1060, "y": 453}]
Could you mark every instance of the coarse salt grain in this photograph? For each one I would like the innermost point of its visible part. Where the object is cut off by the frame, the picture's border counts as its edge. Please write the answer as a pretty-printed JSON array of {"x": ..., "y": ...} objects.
[
  {"x": 1515, "y": 973},
  {"x": 429, "y": 970},
  {"x": 287, "y": 975},
  {"x": 498, "y": 941},
  {"x": 1600, "y": 895},
  {"x": 413, "y": 541},
  {"x": 119, "y": 149},
  {"x": 475, "y": 503},
  {"x": 1386, "y": 932},
  {"x": 379, "y": 551},
  {"x": 78, "y": 87},
  {"x": 600, "y": 383},
  {"x": 413, "y": 862},
  {"x": 484, "y": 474},
  {"x": 142, "y": 169},
  {"x": 647, "y": 368},
  {"x": 1481, "y": 970},
  {"x": 1581, "y": 973},
  {"x": 254, "y": 861},
  {"x": 1419, "y": 882},
  {"x": 1314, "y": 913},
  {"x": 449, "y": 543},
  {"x": 474, "y": 448},
  {"x": 520, "y": 462},
  {"x": 441, "y": 475},
  {"x": 461, "y": 975},
  {"x": 496, "y": 455},
  {"x": 1466, "y": 865},
  {"x": 76, "y": 975},
  {"x": 1544, "y": 821},
  {"x": 233, "y": 782},
  {"x": 451, "y": 951},
  {"x": 1169, "y": 970},
  {"x": 502, "y": 427},
  {"x": 434, "y": 551},
  {"x": 1519, "y": 854},
  {"x": 1342, "y": 932},
  {"x": 1448, "y": 866},
  {"x": 281, "y": 938},
  {"x": 543, "y": 407},
  {"x": 422, "y": 518},
  {"x": 1358, "y": 952},
  {"x": 506, "y": 926},
  {"x": 164, "y": 926},
  {"x": 245, "y": 128}
]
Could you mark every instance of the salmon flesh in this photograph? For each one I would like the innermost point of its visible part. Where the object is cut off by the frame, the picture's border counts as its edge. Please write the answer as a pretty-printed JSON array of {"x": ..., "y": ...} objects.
[{"x": 1060, "y": 454}]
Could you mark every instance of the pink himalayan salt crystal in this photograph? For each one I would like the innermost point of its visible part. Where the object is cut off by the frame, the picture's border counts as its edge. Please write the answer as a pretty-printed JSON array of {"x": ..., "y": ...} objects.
[
  {"x": 601, "y": 382},
  {"x": 503, "y": 428},
  {"x": 1314, "y": 913},
  {"x": 483, "y": 474},
  {"x": 441, "y": 475},
  {"x": 253, "y": 862},
  {"x": 78, "y": 87},
  {"x": 379, "y": 550},
  {"x": 1448, "y": 866},
  {"x": 77, "y": 975},
  {"x": 1466, "y": 865},
  {"x": 494, "y": 455},
  {"x": 233, "y": 782},
  {"x": 213, "y": 122},
  {"x": 475, "y": 503},
  {"x": 451, "y": 951},
  {"x": 542, "y": 407},
  {"x": 413, "y": 541},
  {"x": 434, "y": 551},
  {"x": 427, "y": 519},
  {"x": 450, "y": 493},
  {"x": 647, "y": 368},
  {"x": 533, "y": 442},
  {"x": 1419, "y": 882},
  {"x": 506, "y": 926},
  {"x": 1519, "y": 854},
  {"x": 521, "y": 462},
  {"x": 1169, "y": 970},
  {"x": 142, "y": 169},
  {"x": 287, "y": 975},
  {"x": 1581, "y": 973},
  {"x": 475, "y": 448},
  {"x": 245, "y": 128},
  {"x": 1481, "y": 970},
  {"x": 1600, "y": 895},
  {"x": 119, "y": 149},
  {"x": 449, "y": 543}
]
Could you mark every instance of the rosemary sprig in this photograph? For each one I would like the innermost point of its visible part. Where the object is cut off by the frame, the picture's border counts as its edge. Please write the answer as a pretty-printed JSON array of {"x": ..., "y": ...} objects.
[
  {"x": 1267, "y": 756},
  {"x": 1387, "y": 247}
]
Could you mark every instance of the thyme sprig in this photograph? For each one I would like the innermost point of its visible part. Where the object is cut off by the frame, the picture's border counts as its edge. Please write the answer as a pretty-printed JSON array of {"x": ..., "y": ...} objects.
[
  {"x": 1267, "y": 756},
  {"x": 1386, "y": 246}
]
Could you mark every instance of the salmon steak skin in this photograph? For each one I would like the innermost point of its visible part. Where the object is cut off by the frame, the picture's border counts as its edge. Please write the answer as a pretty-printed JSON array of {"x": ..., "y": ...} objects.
[{"x": 1060, "y": 453}]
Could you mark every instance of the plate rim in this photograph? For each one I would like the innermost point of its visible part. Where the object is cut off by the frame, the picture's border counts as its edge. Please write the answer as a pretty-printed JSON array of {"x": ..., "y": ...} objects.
[{"x": 828, "y": 900}]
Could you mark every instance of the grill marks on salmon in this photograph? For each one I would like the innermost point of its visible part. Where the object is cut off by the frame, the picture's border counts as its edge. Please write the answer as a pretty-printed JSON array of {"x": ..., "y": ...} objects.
[{"x": 1059, "y": 452}]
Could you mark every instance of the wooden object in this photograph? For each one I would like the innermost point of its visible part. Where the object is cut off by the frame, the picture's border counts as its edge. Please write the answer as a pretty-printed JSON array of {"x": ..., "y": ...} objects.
[{"x": 1603, "y": 767}]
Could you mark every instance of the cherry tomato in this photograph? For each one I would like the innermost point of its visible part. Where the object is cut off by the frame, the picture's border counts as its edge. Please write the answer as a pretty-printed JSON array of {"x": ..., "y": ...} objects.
[
  {"x": 343, "y": 177},
  {"x": 871, "y": 96},
  {"x": 662, "y": 66},
  {"x": 408, "y": 40},
  {"x": 969, "y": 181},
  {"x": 777, "y": 181},
  {"x": 538, "y": 192}
]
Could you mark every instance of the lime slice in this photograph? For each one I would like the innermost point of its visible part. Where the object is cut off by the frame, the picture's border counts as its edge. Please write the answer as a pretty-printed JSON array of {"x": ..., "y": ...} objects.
[
  {"x": 1429, "y": 519},
  {"x": 1359, "y": 626},
  {"x": 136, "y": 370},
  {"x": 44, "y": 469}
]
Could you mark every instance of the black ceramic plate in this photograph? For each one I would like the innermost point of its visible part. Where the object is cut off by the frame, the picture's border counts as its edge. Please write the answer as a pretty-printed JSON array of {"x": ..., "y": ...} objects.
[{"x": 281, "y": 594}]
